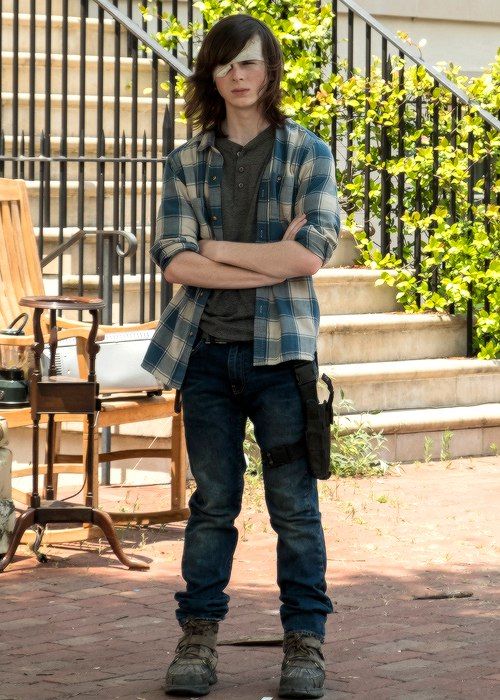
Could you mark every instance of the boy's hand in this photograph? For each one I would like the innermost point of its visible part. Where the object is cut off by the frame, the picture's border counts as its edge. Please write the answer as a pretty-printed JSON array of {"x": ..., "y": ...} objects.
[{"x": 293, "y": 227}]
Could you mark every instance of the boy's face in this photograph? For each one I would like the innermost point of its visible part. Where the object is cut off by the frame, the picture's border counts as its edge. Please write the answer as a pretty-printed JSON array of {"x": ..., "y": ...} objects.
[{"x": 240, "y": 82}]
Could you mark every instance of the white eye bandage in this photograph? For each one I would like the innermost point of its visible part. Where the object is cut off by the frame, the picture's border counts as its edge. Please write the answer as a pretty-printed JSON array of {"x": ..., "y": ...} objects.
[{"x": 252, "y": 51}]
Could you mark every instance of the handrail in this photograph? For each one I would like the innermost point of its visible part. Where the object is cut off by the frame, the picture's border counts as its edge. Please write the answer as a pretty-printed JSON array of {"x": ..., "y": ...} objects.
[
  {"x": 445, "y": 82},
  {"x": 148, "y": 41},
  {"x": 129, "y": 237}
]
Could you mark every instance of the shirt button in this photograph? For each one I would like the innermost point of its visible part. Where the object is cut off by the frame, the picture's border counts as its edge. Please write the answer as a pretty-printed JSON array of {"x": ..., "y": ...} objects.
[
  {"x": 241, "y": 169},
  {"x": 191, "y": 333},
  {"x": 214, "y": 218},
  {"x": 240, "y": 185},
  {"x": 238, "y": 153}
]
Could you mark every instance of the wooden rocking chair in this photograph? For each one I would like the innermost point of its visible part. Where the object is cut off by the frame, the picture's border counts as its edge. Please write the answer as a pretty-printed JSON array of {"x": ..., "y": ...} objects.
[{"x": 21, "y": 275}]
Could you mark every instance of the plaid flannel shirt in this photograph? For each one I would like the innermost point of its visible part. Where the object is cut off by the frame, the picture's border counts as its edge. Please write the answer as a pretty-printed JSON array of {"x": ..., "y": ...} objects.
[{"x": 300, "y": 178}]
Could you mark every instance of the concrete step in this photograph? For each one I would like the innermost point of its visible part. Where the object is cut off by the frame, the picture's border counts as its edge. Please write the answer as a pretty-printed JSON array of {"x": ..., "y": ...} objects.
[
  {"x": 24, "y": 6},
  {"x": 344, "y": 339},
  {"x": 353, "y": 291},
  {"x": 74, "y": 7},
  {"x": 132, "y": 286},
  {"x": 144, "y": 106},
  {"x": 90, "y": 144},
  {"x": 56, "y": 33},
  {"x": 414, "y": 384},
  {"x": 386, "y": 337},
  {"x": 144, "y": 73},
  {"x": 432, "y": 433},
  {"x": 90, "y": 194},
  {"x": 56, "y": 22},
  {"x": 70, "y": 258},
  {"x": 346, "y": 253},
  {"x": 70, "y": 263}
]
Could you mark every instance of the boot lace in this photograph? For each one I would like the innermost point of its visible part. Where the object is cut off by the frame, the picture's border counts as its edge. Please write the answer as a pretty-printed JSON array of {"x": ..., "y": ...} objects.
[
  {"x": 193, "y": 627},
  {"x": 296, "y": 649}
]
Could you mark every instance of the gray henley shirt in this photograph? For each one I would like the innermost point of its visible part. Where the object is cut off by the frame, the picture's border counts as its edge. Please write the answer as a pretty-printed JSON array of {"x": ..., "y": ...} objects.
[{"x": 229, "y": 313}]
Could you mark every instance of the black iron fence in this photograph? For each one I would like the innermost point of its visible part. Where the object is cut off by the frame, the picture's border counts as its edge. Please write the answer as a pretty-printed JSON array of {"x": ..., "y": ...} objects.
[
  {"x": 87, "y": 116},
  {"x": 89, "y": 110}
]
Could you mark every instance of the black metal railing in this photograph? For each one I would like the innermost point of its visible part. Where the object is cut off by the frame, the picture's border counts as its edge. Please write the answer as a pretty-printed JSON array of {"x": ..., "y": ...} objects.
[
  {"x": 84, "y": 120},
  {"x": 89, "y": 110},
  {"x": 367, "y": 37}
]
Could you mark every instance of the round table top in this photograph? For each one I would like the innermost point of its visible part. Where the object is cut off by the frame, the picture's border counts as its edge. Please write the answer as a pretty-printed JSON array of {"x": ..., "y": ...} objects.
[{"x": 63, "y": 302}]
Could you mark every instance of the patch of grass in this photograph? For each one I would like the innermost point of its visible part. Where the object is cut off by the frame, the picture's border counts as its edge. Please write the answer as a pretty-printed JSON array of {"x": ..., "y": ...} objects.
[
  {"x": 428, "y": 445},
  {"x": 445, "y": 453},
  {"x": 355, "y": 454}
]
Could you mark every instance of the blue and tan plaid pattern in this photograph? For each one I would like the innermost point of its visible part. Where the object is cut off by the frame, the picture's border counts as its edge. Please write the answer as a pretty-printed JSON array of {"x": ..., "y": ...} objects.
[{"x": 300, "y": 177}]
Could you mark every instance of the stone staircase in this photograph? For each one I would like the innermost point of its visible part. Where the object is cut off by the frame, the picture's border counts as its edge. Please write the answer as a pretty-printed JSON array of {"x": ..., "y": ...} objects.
[{"x": 405, "y": 374}]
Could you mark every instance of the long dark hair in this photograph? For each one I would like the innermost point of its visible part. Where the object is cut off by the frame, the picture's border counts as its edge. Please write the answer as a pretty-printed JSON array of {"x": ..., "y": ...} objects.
[{"x": 224, "y": 41}]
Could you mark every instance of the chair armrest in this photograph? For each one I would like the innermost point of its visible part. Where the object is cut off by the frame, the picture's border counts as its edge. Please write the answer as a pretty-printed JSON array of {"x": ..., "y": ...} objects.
[
  {"x": 64, "y": 323},
  {"x": 129, "y": 327},
  {"x": 75, "y": 329},
  {"x": 17, "y": 340},
  {"x": 23, "y": 340}
]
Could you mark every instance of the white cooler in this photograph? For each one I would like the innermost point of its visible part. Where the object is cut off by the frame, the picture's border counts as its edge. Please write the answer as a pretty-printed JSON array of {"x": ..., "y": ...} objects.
[{"x": 6, "y": 505}]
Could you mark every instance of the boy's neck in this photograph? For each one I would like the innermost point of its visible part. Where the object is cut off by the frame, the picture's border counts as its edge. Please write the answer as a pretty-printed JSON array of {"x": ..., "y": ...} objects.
[{"x": 241, "y": 127}]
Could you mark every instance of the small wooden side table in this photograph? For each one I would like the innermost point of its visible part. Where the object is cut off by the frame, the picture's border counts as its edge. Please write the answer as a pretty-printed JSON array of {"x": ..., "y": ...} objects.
[{"x": 51, "y": 395}]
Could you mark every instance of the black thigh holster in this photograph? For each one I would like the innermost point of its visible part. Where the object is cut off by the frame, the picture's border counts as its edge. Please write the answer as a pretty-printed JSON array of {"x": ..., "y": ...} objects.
[{"x": 319, "y": 418}]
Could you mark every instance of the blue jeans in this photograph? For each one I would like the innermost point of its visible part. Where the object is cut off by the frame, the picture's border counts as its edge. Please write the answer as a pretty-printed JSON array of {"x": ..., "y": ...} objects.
[{"x": 220, "y": 390}]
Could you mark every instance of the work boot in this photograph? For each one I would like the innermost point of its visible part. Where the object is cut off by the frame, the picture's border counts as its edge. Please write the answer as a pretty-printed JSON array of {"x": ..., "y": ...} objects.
[
  {"x": 303, "y": 668},
  {"x": 192, "y": 671}
]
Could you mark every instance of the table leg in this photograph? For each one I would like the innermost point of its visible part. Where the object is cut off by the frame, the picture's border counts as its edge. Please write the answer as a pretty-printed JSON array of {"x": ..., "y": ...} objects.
[{"x": 49, "y": 478}]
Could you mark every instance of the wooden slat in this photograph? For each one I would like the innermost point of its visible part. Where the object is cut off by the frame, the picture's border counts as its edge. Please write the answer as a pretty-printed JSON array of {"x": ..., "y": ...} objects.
[
  {"x": 9, "y": 191},
  {"x": 34, "y": 277},
  {"x": 59, "y": 468},
  {"x": 9, "y": 305},
  {"x": 17, "y": 258},
  {"x": 150, "y": 453},
  {"x": 74, "y": 534},
  {"x": 149, "y": 518}
]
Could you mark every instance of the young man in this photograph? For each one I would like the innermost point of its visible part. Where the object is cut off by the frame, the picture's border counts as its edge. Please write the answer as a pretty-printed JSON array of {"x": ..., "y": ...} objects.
[{"x": 249, "y": 212}]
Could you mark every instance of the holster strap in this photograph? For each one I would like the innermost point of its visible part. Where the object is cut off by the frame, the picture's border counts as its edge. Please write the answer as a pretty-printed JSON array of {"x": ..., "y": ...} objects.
[{"x": 283, "y": 454}]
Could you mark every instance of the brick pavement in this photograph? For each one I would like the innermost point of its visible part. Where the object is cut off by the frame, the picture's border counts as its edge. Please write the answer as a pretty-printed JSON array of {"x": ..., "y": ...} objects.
[{"x": 82, "y": 626}]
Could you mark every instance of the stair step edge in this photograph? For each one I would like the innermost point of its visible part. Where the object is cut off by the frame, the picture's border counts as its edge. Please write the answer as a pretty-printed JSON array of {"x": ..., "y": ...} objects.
[
  {"x": 358, "y": 373},
  {"x": 40, "y": 56},
  {"x": 25, "y": 17},
  {"x": 386, "y": 321},
  {"x": 420, "y": 419},
  {"x": 56, "y": 97},
  {"x": 349, "y": 274}
]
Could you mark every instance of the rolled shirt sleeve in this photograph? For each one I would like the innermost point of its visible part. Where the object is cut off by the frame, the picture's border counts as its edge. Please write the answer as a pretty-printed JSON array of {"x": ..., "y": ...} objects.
[
  {"x": 176, "y": 225},
  {"x": 317, "y": 198}
]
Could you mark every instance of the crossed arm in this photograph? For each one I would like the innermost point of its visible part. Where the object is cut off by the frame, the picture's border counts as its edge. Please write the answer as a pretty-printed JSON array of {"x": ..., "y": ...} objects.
[{"x": 230, "y": 265}]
